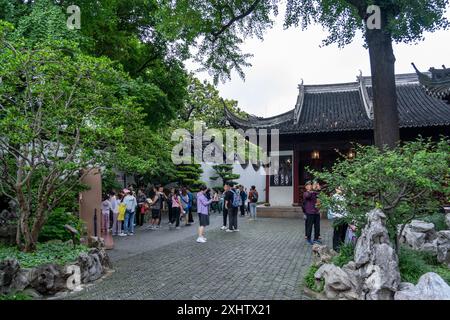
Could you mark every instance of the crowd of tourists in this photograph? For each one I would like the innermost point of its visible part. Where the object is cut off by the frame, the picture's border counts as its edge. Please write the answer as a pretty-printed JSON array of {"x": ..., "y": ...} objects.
[{"x": 123, "y": 211}]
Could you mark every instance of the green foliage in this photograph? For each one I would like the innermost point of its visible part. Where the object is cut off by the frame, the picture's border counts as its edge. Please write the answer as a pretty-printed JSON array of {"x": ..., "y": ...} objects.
[
  {"x": 54, "y": 226},
  {"x": 50, "y": 252},
  {"x": 310, "y": 282},
  {"x": 346, "y": 254},
  {"x": 218, "y": 30},
  {"x": 438, "y": 219},
  {"x": 413, "y": 264},
  {"x": 189, "y": 175},
  {"x": 15, "y": 296},
  {"x": 402, "y": 182},
  {"x": 225, "y": 172}
]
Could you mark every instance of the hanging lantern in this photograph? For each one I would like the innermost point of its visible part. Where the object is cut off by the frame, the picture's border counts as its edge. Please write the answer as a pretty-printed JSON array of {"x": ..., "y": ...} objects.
[
  {"x": 351, "y": 154},
  {"x": 315, "y": 155}
]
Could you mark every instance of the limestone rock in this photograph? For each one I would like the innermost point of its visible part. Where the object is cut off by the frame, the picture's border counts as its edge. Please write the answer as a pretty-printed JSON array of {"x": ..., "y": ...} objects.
[
  {"x": 430, "y": 287},
  {"x": 48, "y": 279},
  {"x": 8, "y": 270},
  {"x": 96, "y": 242},
  {"x": 421, "y": 226},
  {"x": 22, "y": 279},
  {"x": 338, "y": 283},
  {"x": 374, "y": 232},
  {"x": 443, "y": 247},
  {"x": 322, "y": 254}
]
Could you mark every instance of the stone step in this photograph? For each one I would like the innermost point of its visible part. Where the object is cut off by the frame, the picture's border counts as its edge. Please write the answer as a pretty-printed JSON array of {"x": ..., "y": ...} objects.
[{"x": 279, "y": 212}]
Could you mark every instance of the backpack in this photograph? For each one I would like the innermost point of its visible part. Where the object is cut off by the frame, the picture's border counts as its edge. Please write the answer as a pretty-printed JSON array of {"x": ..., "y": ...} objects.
[
  {"x": 254, "y": 198},
  {"x": 236, "y": 199}
]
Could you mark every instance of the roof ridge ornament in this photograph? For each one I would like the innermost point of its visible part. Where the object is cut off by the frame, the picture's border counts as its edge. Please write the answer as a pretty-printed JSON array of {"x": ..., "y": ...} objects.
[
  {"x": 438, "y": 85},
  {"x": 299, "y": 104},
  {"x": 368, "y": 104}
]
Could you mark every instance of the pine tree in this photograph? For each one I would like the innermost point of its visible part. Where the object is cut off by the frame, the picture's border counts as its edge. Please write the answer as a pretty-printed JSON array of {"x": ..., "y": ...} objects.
[
  {"x": 225, "y": 172},
  {"x": 189, "y": 175}
]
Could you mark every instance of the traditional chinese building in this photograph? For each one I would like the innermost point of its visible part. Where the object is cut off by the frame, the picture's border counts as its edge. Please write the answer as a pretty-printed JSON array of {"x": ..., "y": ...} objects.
[{"x": 329, "y": 118}]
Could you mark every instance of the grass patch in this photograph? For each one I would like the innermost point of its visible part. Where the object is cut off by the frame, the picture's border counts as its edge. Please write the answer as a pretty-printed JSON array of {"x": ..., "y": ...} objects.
[
  {"x": 15, "y": 296},
  {"x": 346, "y": 254},
  {"x": 50, "y": 252},
  {"x": 413, "y": 264},
  {"x": 310, "y": 281}
]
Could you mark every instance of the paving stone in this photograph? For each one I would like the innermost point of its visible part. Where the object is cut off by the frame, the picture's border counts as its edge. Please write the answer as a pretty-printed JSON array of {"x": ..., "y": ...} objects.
[{"x": 265, "y": 260}]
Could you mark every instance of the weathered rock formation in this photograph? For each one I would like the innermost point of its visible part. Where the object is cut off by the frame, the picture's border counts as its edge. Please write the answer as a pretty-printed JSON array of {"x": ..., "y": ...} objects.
[
  {"x": 322, "y": 254},
  {"x": 430, "y": 287},
  {"x": 374, "y": 273},
  {"x": 422, "y": 236},
  {"x": 49, "y": 279}
]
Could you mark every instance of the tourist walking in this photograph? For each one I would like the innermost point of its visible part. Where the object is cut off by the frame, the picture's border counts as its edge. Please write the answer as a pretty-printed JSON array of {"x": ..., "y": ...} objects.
[
  {"x": 243, "y": 196},
  {"x": 142, "y": 207},
  {"x": 169, "y": 205},
  {"x": 203, "y": 213},
  {"x": 156, "y": 209},
  {"x": 122, "y": 208},
  {"x": 312, "y": 213},
  {"x": 115, "y": 211},
  {"x": 252, "y": 200},
  {"x": 337, "y": 215},
  {"x": 177, "y": 208},
  {"x": 106, "y": 209},
  {"x": 191, "y": 204},
  {"x": 232, "y": 203},
  {"x": 130, "y": 213},
  {"x": 186, "y": 205},
  {"x": 227, "y": 194}
]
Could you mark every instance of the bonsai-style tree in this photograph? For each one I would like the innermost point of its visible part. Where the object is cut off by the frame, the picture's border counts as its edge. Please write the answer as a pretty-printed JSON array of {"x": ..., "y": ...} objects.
[
  {"x": 189, "y": 175},
  {"x": 407, "y": 182},
  {"x": 218, "y": 29},
  {"x": 225, "y": 172}
]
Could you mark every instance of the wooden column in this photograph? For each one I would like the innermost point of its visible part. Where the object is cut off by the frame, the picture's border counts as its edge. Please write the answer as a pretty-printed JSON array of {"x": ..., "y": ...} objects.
[{"x": 296, "y": 174}]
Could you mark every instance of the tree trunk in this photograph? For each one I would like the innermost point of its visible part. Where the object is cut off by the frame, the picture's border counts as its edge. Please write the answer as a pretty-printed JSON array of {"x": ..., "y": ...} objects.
[{"x": 382, "y": 64}]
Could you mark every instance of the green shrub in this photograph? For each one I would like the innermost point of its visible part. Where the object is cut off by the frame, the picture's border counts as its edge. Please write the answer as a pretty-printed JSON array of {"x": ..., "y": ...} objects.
[
  {"x": 413, "y": 264},
  {"x": 50, "y": 252},
  {"x": 54, "y": 227},
  {"x": 310, "y": 281},
  {"x": 438, "y": 219},
  {"x": 346, "y": 254},
  {"x": 15, "y": 296}
]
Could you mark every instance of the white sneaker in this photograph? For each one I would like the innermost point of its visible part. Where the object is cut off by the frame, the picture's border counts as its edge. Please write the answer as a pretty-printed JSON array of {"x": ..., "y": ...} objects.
[
  {"x": 201, "y": 240},
  {"x": 131, "y": 234},
  {"x": 223, "y": 228},
  {"x": 228, "y": 230},
  {"x": 122, "y": 234},
  {"x": 204, "y": 238},
  {"x": 236, "y": 230}
]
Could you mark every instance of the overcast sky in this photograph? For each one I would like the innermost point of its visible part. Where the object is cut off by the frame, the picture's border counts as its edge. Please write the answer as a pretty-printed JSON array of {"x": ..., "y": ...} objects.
[{"x": 287, "y": 56}]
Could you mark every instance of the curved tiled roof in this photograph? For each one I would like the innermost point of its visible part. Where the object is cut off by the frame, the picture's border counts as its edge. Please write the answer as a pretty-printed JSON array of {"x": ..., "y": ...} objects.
[{"x": 340, "y": 107}]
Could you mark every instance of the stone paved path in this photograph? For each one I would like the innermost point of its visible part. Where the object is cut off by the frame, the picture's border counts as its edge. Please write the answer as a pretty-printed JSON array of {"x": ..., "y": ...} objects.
[{"x": 265, "y": 260}]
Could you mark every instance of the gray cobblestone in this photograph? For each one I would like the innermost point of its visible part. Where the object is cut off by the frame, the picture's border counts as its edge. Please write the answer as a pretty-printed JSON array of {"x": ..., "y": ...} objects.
[{"x": 265, "y": 260}]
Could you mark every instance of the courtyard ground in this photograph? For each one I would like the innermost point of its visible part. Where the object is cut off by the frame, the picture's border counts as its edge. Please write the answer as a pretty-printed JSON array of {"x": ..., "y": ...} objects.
[{"x": 267, "y": 259}]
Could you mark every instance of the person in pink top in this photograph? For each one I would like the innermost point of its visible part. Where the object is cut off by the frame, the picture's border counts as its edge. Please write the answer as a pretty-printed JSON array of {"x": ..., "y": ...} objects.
[
  {"x": 177, "y": 208},
  {"x": 203, "y": 214}
]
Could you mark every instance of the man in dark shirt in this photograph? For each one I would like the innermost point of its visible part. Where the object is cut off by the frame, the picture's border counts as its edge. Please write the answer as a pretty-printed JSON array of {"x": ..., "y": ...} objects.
[
  {"x": 311, "y": 211},
  {"x": 229, "y": 210}
]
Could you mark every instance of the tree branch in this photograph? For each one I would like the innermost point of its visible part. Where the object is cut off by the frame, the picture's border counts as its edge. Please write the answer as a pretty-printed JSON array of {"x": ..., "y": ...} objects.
[{"x": 234, "y": 19}]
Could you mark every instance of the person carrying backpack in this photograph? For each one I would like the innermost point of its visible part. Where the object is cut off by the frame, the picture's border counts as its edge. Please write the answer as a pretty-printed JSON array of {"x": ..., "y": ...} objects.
[
  {"x": 253, "y": 199},
  {"x": 232, "y": 203}
]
